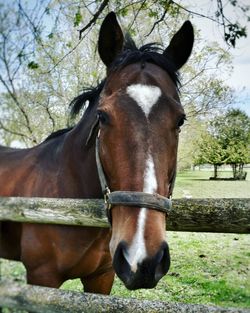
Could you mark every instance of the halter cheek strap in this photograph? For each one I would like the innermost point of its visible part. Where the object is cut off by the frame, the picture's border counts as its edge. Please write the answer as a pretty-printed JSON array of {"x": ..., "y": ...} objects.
[
  {"x": 102, "y": 177},
  {"x": 128, "y": 198}
]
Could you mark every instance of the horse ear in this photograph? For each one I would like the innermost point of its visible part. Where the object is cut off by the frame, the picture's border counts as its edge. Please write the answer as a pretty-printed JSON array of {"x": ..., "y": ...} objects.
[
  {"x": 111, "y": 39},
  {"x": 181, "y": 45}
]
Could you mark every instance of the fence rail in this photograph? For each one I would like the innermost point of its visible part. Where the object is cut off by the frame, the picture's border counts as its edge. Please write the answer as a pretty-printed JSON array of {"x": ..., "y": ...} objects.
[
  {"x": 202, "y": 215},
  {"x": 199, "y": 215},
  {"x": 48, "y": 300}
]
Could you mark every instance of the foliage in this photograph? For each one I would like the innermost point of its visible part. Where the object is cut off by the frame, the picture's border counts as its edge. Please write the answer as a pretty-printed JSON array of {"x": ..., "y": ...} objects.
[
  {"x": 226, "y": 141},
  {"x": 78, "y": 17},
  {"x": 211, "y": 151},
  {"x": 33, "y": 65},
  {"x": 231, "y": 128},
  {"x": 44, "y": 64}
]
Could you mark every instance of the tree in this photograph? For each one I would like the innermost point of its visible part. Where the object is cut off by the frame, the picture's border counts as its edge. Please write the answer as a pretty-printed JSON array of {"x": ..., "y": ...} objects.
[
  {"x": 227, "y": 141},
  {"x": 44, "y": 64},
  {"x": 232, "y": 30},
  {"x": 211, "y": 152},
  {"x": 233, "y": 132},
  {"x": 33, "y": 98}
]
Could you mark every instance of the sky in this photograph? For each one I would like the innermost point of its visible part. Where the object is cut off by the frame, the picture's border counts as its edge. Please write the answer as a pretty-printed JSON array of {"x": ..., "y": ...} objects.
[{"x": 239, "y": 78}]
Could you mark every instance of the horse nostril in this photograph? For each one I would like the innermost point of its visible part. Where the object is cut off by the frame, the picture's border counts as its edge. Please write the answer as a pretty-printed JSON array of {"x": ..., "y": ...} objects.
[
  {"x": 148, "y": 272},
  {"x": 162, "y": 261},
  {"x": 120, "y": 264},
  {"x": 159, "y": 256}
]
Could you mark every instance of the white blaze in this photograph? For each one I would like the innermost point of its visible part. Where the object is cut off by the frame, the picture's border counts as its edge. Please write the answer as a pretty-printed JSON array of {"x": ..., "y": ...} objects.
[
  {"x": 137, "y": 251},
  {"x": 146, "y": 97},
  {"x": 150, "y": 183}
]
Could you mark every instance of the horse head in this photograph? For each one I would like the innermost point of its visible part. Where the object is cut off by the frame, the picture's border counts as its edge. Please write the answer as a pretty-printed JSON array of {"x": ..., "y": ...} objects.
[{"x": 139, "y": 116}]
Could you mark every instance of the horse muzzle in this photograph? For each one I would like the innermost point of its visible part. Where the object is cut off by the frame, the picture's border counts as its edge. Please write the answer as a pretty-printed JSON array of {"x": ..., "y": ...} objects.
[{"x": 147, "y": 273}]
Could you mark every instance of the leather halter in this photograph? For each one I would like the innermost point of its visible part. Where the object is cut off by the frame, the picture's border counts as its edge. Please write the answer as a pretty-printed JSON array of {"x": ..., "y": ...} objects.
[{"x": 128, "y": 198}]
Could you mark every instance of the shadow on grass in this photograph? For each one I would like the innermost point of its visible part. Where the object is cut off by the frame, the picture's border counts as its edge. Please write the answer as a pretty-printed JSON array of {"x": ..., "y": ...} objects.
[{"x": 200, "y": 179}]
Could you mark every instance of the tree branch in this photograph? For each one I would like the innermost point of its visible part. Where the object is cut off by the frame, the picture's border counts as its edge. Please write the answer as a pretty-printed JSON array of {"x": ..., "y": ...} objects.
[
  {"x": 50, "y": 116},
  {"x": 158, "y": 22},
  {"x": 35, "y": 28},
  {"x": 95, "y": 17},
  {"x": 64, "y": 57},
  {"x": 19, "y": 105},
  {"x": 7, "y": 130}
]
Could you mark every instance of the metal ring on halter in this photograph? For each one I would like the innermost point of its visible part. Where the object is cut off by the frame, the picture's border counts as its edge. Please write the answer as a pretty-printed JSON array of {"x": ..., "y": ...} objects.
[{"x": 106, "y": 198}]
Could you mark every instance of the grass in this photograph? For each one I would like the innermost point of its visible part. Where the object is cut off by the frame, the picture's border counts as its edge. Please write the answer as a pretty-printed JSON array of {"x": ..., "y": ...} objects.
[
  {"x": 196, "y": 184},
  {"x": 206, "y": 268}
]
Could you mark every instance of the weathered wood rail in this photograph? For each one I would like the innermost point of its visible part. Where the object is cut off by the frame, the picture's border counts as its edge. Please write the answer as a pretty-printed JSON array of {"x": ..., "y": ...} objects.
[
  {"x": 49, "y": 300},
  {"x": 199, "y": 215},
  {"x": 202, "y": 215}
]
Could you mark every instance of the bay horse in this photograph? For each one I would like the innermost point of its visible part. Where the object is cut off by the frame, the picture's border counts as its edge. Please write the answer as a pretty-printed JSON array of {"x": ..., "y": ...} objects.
[{"x": 124, "y": 147}]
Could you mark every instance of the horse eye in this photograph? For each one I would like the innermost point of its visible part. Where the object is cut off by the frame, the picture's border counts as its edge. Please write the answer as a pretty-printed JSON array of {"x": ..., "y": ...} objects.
[
  {"x": 103, "y": 117},
  {"x": 181, "y": 121}
]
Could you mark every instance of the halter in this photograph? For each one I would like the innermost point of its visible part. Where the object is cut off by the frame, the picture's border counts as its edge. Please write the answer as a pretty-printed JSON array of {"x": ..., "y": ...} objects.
[{"x": 128, "y": 198}]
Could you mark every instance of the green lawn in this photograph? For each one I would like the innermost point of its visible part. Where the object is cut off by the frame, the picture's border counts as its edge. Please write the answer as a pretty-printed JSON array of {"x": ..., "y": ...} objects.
[
  {"x": 196, "y": 184},
  {"x": 206, "y": 268}
]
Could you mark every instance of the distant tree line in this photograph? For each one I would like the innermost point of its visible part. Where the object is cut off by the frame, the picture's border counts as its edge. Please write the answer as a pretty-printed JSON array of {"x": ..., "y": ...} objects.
[{"x": 226, "y": 141}]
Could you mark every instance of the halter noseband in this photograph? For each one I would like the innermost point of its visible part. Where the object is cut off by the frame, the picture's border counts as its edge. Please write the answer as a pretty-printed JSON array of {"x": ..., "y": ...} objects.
[{"x": 128, "y": 198}]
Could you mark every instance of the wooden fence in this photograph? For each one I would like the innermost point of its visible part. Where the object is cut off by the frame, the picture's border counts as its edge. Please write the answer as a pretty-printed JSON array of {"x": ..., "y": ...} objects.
[
  {"x": 199, "y": 215},
  {"x": 49, "y": 300},
  {"x": 202, "y": 215}
]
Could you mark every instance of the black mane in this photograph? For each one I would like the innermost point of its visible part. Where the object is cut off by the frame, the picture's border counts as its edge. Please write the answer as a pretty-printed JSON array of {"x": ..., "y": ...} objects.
[
  {"x": 58, "y": 133},
  {"x": 90, "y": 95},
  {"x": 151, "y": 53}
]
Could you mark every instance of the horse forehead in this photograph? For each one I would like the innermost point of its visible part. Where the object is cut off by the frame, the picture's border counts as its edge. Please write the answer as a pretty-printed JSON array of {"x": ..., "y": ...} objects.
[{"x": 146, "y": 96}]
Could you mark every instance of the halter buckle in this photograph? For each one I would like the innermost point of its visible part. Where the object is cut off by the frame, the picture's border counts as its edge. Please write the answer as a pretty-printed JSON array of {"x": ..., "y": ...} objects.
[{"x": 106, "y": 194}]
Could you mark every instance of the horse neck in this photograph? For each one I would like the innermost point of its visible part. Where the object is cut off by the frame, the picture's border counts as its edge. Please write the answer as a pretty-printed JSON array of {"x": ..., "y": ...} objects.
[{"x": 81, "y": 162}]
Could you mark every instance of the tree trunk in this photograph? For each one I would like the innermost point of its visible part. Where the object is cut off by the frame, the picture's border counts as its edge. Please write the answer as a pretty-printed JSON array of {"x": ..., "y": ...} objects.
[
  {"x": 241, "y": 167},
  {"x": 234, "y": 166},
  {"x": 215, "y": 171}
]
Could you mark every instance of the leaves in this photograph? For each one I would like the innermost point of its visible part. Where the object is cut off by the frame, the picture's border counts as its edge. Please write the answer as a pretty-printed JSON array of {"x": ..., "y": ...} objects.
[
  {"x": 41, "y": 49},
  {"x": 227, "y": 140},
  {"x": 33, "y": 65},
  {"x": 234, "y": 31},
  {"x": 78, "y": 18}
]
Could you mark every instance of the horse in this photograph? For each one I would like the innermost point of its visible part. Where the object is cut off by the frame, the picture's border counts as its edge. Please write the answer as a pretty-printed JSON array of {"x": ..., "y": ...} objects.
[{"x": 123, "y": 148}]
